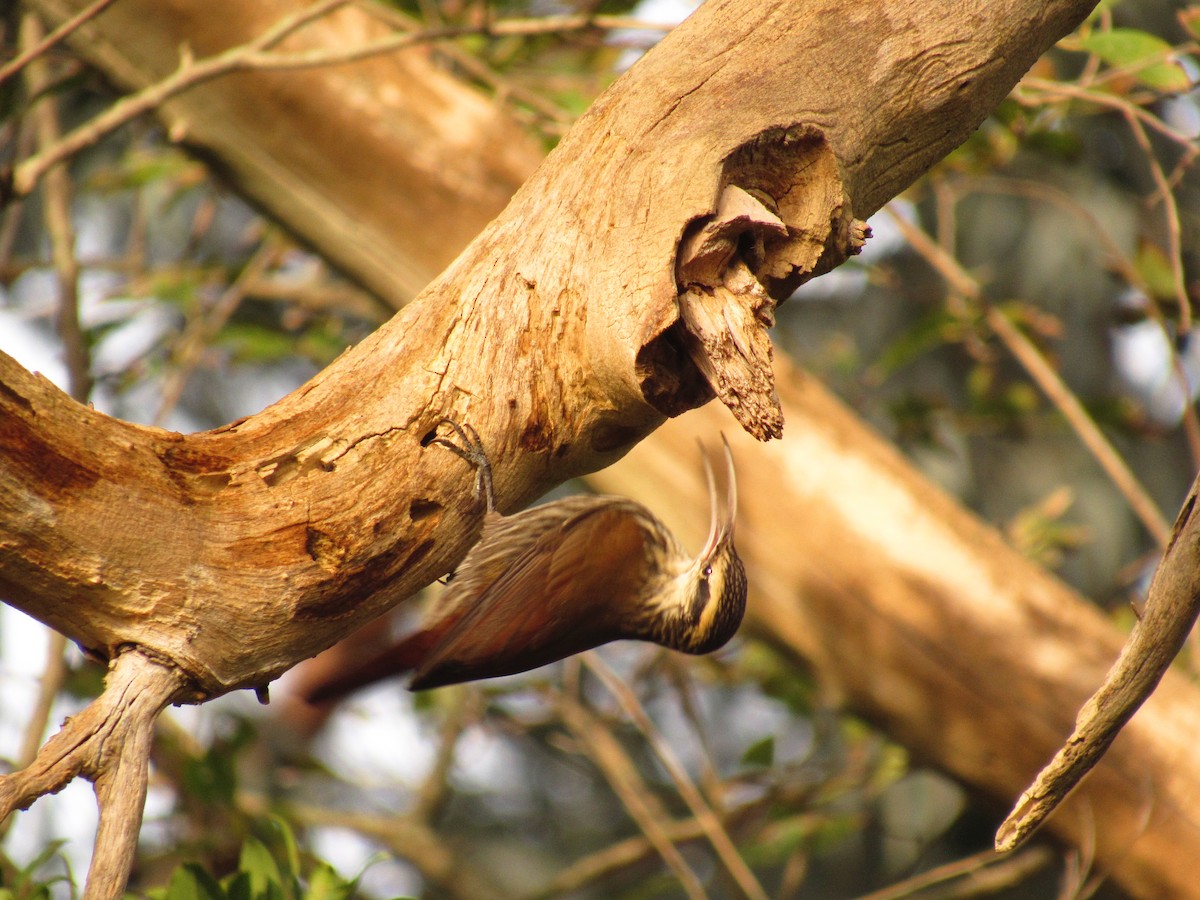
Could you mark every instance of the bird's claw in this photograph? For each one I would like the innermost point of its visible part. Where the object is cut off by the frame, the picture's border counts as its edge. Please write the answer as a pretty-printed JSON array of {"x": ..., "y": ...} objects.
[{"x": 472, "y": 451}]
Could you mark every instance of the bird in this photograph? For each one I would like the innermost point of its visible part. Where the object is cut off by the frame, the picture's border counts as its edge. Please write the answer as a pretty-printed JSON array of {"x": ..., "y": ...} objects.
[{"x": 564, "y": 577}]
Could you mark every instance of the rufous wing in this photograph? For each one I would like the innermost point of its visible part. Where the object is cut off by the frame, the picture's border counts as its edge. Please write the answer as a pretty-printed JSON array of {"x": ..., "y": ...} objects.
[{"x": 562, "y": 595}]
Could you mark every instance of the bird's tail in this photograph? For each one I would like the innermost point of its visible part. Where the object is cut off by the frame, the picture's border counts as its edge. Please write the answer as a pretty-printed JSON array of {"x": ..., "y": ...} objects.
[{"x": 398, "y": 659}]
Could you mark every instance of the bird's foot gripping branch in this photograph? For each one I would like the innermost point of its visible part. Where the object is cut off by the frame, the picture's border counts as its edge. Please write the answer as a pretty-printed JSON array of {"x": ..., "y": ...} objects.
[{"x": 781, "y": 217}]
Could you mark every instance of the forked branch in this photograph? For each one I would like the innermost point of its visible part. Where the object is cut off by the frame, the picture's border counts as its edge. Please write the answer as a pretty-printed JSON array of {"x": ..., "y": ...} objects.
[{"x": 109, "y": 744}]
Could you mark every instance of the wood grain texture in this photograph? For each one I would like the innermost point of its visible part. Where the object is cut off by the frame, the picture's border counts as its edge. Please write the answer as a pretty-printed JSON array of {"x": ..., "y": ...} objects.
[{"x": 240, "y": 551}]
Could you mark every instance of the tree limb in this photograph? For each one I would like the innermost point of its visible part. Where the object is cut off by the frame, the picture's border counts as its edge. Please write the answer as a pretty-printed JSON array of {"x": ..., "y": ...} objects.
[
  {"x": 109, "y": 744},
  {"x": 1171, "y": 610},
  {"x": 557, "y": 334}
]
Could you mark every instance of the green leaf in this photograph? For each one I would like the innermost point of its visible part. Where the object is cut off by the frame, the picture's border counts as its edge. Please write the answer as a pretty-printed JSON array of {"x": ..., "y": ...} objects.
[
  {"x": 192, "y": 882},
  {"x": 257, "y": 862},
  {"x": 291, "y": 848},
  {"x": 324, "y": 883},
  {"x": 1102, "y": 7},
  {"x": 1189, "y": 18},
  {"x": 929, "y": 332},
  {"x": 237, "y": 887},
  {"x": 1125, "y": 46},
  {"x": 1155, "y": 270},
  {"x": 1149, "y": 54},
  {"x": 251, "y": 342},
  {"x": 760, "y": 753},
  {"x": 47, "y": 854}
]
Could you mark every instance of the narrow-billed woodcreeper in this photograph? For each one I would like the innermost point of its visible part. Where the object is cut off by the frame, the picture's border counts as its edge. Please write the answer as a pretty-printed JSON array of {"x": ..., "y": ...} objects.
[{"x": 564, "y": 577}]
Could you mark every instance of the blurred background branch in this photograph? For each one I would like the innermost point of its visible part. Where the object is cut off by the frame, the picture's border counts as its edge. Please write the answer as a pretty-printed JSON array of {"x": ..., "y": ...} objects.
[{"x": 1045, "y": 324}]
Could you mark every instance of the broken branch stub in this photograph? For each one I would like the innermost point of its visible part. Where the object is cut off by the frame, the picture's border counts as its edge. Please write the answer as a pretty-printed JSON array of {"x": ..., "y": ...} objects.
[{"x": 781, "y": 218}]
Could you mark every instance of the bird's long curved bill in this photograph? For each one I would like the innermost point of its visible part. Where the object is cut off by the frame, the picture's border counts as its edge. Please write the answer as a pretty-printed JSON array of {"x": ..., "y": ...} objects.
[{"x": 721, "y": 528}]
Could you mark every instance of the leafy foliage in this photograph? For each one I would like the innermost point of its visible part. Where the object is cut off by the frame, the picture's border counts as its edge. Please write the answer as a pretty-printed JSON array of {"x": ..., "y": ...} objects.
[{"x": 262, "y": 874}]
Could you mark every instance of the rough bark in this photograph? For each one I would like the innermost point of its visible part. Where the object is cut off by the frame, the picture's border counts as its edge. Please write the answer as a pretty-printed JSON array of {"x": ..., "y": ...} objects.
[{"x": 239, "y": 551}]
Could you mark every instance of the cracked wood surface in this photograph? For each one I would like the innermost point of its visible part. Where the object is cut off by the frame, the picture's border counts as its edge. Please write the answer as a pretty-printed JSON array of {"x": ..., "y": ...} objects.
[
  {"x": 240, "y": 551},
  {"x": 1147, "y": 770}
]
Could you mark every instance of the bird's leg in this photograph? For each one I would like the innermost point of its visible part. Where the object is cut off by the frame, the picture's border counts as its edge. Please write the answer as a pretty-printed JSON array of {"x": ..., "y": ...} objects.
[{"x": 472, "y": 451}]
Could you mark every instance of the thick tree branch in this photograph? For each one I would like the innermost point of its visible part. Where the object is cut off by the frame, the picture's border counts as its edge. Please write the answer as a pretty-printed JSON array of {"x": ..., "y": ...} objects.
[
  {"x": 1171, "y": 610},
  {"x": 250, "y": 523},
  {"x": 558, "y": 334}
]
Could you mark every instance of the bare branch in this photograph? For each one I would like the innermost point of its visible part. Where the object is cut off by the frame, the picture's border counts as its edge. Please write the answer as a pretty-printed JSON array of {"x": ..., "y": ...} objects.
[
  {"x": 1047, "y": 379},
  {"x": 207, "y": 324},
  {"x": 713, "y": 829},
  {"x": 56, "y": 210},
  {"x": 109, "y": 744},
  {"x": 1171, "y": 610},
  {"x": 188, "y": 74},
  {"x": 255, "y": 56},
  {"x": 629, "y": 788},
  {"x": 1138, "y": 119},
  {"x": 980, "y": 874},
  {"x": 406, "y": 836},
  {"x": 43, "y": 44}
]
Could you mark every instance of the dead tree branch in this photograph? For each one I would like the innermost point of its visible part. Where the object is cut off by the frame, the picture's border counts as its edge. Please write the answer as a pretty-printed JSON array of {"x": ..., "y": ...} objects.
[{"x": 225, "y": 557}]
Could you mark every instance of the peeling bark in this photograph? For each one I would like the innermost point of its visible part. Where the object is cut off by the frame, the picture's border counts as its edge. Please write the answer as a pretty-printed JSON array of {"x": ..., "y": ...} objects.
[
  {"x": 239, "y": 551},
  {"x": 558, "y": 334}
]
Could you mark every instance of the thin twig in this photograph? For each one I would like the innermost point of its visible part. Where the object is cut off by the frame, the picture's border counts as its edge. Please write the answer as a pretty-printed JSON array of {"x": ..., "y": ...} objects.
[
  {"x": 613, "y": 858},
  {"x": 1175, "y": 258},
  {"x": 1096, "y": 230},
  {"x": 1084, "y": 425},
  {"x": 685, "y": 687},
  {"x": 23, "y": 58},
  {"x": 109, "y": 744},
  {"x": 1101, "y": 98},
  {"x": 1114, "y": 258},
  {"x": 434, "y": 790},
  {"x": 56, "y": 212},
  {"x": 1171, "y": 214},
  {"x": 204, "y": 328},
  {"x": 22, "y": 143},
  {"x": 188, "y": 74},
  {"x": 1047, "y": 379},
  {"x": 983, "y": 871},
  {"x": 254, "y": 56},
  {"x": 1172, "y": 606},
  {"x": 713, "y": 829},
  {"x": 49, "y": 684},
  {"x": 627, "y": 785},
  {"x": 407, "y": 837}
]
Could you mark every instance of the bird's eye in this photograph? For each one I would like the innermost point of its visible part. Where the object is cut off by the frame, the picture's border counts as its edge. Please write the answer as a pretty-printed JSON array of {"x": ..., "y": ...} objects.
[{"x": 707, "y": 571}]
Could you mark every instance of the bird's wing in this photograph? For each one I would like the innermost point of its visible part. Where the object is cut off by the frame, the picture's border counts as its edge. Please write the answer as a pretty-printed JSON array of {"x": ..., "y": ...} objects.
[{"x": 556, "y": 598}]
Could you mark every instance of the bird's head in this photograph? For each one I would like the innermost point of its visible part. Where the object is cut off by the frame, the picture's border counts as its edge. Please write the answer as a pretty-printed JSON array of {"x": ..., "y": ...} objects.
[{"x": 706, "y": 600}]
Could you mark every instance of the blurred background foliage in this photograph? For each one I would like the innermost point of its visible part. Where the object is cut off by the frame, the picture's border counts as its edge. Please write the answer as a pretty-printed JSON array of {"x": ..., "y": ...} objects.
[{"x": 1072, "y": 211}]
